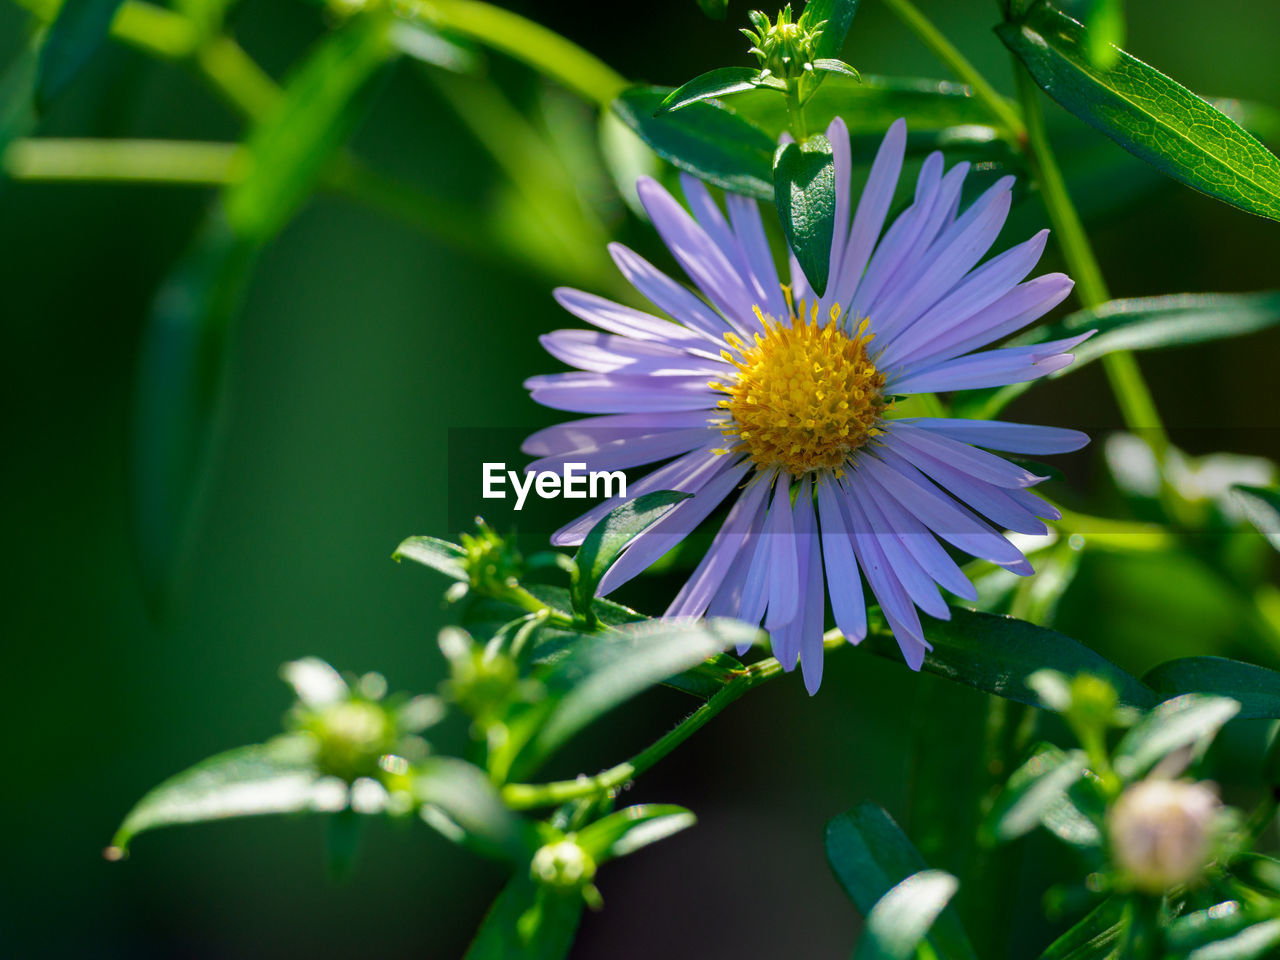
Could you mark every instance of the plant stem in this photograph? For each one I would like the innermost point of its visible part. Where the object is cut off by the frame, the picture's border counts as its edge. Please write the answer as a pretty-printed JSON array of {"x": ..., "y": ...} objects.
[
  {"x": 1134, "y": 398},
  {"x": 521, "y": 796},
  {"x": 531, "y": 43},
  {"x": 147, "y": 161},
  {"x": 945, "y": 51},
  {"x": 795, "y": 111}
]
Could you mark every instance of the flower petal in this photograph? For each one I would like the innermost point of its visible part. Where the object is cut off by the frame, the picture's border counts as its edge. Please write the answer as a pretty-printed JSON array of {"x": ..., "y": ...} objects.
[
  {"x": 844, "y": 583},
  {"x": 1001, "y": 435},
  {"x": 667, "y": 295},
  {"x": 991, "y": 368}
]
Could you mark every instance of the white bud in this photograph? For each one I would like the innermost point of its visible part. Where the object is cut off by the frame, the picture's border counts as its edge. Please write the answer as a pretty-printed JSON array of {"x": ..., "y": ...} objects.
[{"x": 1162, "y": 832}]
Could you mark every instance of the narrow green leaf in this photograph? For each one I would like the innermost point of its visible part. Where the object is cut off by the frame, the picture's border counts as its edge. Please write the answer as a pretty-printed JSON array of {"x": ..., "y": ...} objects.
[
  {"x": 440, "y": 555},
  {"x": 75, "y": 35},
  {"x": 1255, "y": 688},
  {"x": 429, "y": 46},
  {"x": 707, "y": 139},
  {"x": 870, "y": 855},
  {"x": 467, "y": 797},
  {"x": 1140, "y": 323},
  {"x": 18, "y": 112},
  {"x": 839, "y": 16},
  {"x": 1262, "y": 508},
  {"x": 804, "y": 185},
  {"x": 1251, "y": 943},
  {"x": 626, "y": 831},
  {"x": 829, "y": 65},
  {"x": 1191, "y": 720},
  {"x": 1201, "y": 927},
  {"x": 870, "y": 106},
  {"x": 1097, "y": 937},
  {"x": 1032, "y": 791},
  {"x": 901, "y": 919},
  {"x": 608, "y": 538},
  {"x": 278, "y": 776},
  {"x": 179, "y": 407},
  {"x": 1147, "y": 113},
  {"x": 998, "y": 655},
  {"x": 714, "y": 83},
  {"x": 527, "y": 922},
  {"x": 290, "y": 147},
  {"x": 602, "y": 671}
]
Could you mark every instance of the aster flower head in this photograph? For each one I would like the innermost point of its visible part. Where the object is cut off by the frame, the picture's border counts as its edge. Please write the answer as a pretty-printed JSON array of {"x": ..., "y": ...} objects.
[{"x": 781, "y": 404}]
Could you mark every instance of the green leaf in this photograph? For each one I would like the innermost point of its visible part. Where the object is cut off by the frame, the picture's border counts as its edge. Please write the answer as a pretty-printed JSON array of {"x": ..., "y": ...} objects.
[
  {"x": 75, "y": 35},
  {"x": 829, "y": 65},
  {"x": 1251, "y": 943},
  {"x": 707, "y": 139},
  {"x": 804, "y": 186},
  {"x": 628, "y": 830},
  {"x": 839, "y": 16},
  {"x": 527, "y": 922},
  {"x": 902, "y": 918},
  {"x": 289, "y": 148},
  {"x": 1255, "y": 688},
  {"x": 870, "y": 855},
  {"x": 1188, "y": 721},
  {"x": 1034, "y": 789},
  {"x": 1097, "y": 937},
  {"x": 998, "y": 655},
  {"x": 18, "y": 112},
  {"x": 609, "y": 537},
  {"x": 1141, "y": 323},
  {"x": 1262, "y": 508},
  {"x": 869, "y": 107},
  {"x": 179, "y": 400},
  {"x": 715, "y": 9},
  {"x": 714, "y": 83},
  {"x": 429, "y": 46},
  {"x": 601, "y": 671},
  {"x": 1201, "y": 927},
  {"x": 466, "y": 796},
  {"x": 1147, "y": 113},
  {"x": 440, "y": 555},
  {"x": 278, "y": 776}
]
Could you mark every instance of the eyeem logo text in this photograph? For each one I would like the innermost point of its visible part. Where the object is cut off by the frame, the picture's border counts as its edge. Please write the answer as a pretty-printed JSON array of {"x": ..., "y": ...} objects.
[{"x": 574, "y": 483}]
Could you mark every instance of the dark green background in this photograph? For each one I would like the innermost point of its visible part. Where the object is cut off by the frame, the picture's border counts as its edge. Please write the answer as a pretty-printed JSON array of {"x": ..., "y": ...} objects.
[{"x": 361, "y": 342}]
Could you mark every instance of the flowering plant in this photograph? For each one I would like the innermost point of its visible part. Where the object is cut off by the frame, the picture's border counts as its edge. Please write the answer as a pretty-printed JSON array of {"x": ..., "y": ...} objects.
[{"x": 823, "y": 461}]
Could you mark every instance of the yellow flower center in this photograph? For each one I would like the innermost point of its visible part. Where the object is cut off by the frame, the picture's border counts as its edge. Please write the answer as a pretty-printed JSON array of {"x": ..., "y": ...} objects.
[{"x": 806, "y": 395}]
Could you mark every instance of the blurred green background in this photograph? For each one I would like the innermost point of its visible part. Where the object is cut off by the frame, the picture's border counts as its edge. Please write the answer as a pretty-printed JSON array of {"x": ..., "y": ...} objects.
[{"x": 361, "y": 342}]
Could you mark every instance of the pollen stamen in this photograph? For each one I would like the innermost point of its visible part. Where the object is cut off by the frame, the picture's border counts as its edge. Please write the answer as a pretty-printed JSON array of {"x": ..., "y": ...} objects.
[{"x": 806, "y": 394}]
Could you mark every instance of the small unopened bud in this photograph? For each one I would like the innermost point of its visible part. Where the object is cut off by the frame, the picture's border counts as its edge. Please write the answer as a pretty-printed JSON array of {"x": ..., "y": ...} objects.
[
  {"x": 1162, "y": 832},
  {"x": 352, "y": 735},
  {"x": 784, "y": 48},
  {"x": 563, "y": 865}
]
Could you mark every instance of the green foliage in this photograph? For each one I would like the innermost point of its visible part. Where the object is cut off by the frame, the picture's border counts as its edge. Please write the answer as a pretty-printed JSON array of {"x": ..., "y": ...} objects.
[
  {"x": 804, "y": 189},
  {"x": 76, "y": 33},
  {"x": 608, "y": 538},
  {"x": 298, "y": 136},
  {"x": 719, "y": 82},
  {"x": 1141, "y": 323},
  {"x": 999, "y": 655},
  {"x": 707, "y": 139},
  {"x": 901, "y": 919},
  {"x": 871, "y": 857},
  {"x": 1147, "y": 113},
  {"x": 180, "y": 400},
  {"x": 1262, "y": 508}
]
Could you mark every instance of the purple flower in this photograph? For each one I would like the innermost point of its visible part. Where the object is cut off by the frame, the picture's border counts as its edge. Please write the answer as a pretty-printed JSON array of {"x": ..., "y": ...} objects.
[{"x": 782, "y": 402}]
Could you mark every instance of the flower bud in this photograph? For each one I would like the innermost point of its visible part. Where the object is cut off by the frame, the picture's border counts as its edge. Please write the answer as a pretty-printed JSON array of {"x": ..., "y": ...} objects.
[
  {"x": 1162, "y": 832},
  {"x": 563, "y": 865},
  {"x": 784, "y": 49},
  {"x": 492, "y": 561},
  {"x": 353, "y": 734}
]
